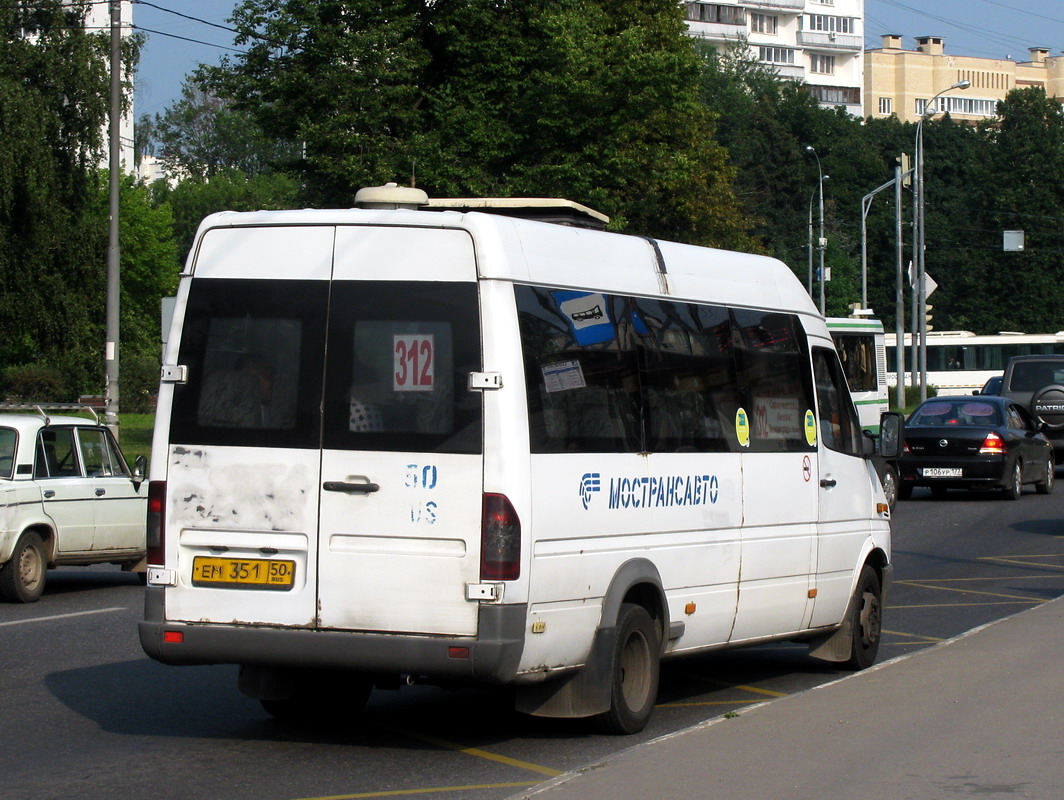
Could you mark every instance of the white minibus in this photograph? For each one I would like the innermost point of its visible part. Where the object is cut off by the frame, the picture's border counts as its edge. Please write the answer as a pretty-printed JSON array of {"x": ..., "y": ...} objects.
[{"x": 403, "y": 444}]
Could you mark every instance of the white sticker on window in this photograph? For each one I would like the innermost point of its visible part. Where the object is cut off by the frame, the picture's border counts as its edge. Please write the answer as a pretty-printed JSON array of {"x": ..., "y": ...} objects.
[
  {"x": 563, "y": 375},
  {"x": 413, "y": 362}
]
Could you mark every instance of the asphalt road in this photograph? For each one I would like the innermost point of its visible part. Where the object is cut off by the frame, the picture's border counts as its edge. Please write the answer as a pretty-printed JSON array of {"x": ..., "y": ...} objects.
[{"x": 86, "y": 714}]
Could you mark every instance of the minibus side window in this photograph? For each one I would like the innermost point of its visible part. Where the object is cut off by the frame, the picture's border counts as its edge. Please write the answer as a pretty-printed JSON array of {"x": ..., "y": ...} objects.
[
  {"x": 580, "y": 370},
  {"x": 839, "y": 430},
  {"x": 687, "y": 373},
  {"x": 773, "y": 365}
]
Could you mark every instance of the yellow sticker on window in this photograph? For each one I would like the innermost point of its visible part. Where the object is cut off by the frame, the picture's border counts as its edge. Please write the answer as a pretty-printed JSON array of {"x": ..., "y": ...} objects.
[
  {"x": 742, "y": 427},
  {"x": 810, "y": 428}
]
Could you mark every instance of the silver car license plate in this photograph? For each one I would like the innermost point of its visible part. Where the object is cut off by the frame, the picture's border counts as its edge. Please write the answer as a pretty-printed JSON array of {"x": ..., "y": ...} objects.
[{"x": 941, "y": 472}]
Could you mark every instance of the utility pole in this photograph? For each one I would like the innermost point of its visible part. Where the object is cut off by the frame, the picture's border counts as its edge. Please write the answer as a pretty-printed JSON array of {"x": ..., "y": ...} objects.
[{"x": 114, "y": 180}]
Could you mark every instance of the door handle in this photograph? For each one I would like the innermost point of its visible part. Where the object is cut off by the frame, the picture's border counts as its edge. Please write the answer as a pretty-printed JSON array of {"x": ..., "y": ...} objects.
[
  {"x": 49, "y": 494},
  {"x": 366, "y": 487},
  {"x": 828, "y": 483},
  {"x": 101, "y": 492}
]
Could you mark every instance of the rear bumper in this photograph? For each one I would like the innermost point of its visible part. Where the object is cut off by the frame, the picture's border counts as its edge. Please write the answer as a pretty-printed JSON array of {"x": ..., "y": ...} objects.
[{"x": 493, "y": 655}]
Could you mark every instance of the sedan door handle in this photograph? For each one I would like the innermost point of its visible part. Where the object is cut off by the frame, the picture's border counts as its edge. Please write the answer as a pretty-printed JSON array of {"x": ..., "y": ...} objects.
[
  {"x": 101, "y": 492},
  {"x": 49, "y": 494},
  {"x": 351, "y": 488},
  {"x": 828, "y": 483}
]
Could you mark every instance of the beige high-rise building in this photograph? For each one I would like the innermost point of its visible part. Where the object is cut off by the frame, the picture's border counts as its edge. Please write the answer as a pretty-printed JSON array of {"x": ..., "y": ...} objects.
[{"x": 902, "y": 82}]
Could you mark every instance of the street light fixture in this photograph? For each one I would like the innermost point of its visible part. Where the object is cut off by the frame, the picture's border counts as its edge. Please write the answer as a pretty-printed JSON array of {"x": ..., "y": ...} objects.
[
  {"x": 920, "y": 325},
  {"x": 821, "y": 177}
]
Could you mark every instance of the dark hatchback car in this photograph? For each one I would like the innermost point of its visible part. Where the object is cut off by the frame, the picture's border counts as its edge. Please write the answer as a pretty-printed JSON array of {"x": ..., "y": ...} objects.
[{"x": 975, "y": 442}]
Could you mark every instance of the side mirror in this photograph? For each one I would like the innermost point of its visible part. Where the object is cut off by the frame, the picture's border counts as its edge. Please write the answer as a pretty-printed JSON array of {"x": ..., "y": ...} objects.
[
  {"x": 891, "y": 434},
  {"x": 140, "y": 469}
]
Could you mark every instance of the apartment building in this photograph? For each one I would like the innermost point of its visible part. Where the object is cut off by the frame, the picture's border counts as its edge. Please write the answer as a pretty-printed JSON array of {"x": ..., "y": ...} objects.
[
  {"x": 98, "y": 20},
  {"x": 902, "y": 82},
  {"x": 820, "y": 42}
]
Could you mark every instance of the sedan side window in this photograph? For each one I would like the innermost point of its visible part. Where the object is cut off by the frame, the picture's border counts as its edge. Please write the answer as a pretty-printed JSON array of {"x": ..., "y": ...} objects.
[
  {"x": 99, "y": 454},
  {"x": 57, "y": 455}
]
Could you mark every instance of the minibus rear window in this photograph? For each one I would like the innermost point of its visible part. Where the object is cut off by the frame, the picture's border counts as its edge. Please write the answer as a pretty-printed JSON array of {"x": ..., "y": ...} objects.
[
  {"x": 399, "y": 358},
  {"x": 254, "y": 350}
]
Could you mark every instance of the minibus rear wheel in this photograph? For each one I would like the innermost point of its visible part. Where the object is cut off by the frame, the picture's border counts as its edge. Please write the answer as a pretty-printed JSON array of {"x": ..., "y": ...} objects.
[{"x": 635, "y": 673}]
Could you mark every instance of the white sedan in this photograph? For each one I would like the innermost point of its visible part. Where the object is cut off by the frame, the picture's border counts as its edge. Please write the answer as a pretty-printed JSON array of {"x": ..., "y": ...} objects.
[{"x": 67, "y": 496}]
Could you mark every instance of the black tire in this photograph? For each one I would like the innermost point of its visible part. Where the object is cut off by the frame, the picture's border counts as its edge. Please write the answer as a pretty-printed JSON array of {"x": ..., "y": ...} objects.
[
  {"x": 905, "y": 491},
  {"x": 322, "y": 698},
  {"x": 635, "y": 673},
  {"x": 891, "y": 489},
  {"x": 1014, "y": 488},
  {"x": 1045, "y": 486},
  {"x": 866, "y": 620},
  {"x": 22, "y": 578}
]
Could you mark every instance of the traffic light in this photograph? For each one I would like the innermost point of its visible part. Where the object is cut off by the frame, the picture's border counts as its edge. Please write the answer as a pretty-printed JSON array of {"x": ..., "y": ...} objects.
[
  {"x": 906, "y": 170},
  {"x": 927, "y": 315}
]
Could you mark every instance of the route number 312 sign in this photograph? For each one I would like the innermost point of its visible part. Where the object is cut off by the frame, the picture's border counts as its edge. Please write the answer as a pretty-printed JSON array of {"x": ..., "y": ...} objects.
[{"x": 414, "y": 362}]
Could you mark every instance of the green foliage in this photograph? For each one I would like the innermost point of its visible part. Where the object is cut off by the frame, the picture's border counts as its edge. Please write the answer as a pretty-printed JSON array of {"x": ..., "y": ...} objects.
[
  {"x": 229, "y": 190},
  {"x": 589, "y": 100},
  {"x": 54, "y": 91},
  {"x": 201, "y": 136},
  {"x": 32, "y": 383}
]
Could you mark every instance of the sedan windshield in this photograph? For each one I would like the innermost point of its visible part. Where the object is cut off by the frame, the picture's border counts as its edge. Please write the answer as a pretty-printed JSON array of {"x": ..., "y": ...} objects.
[{"x": 945, "y": 412}]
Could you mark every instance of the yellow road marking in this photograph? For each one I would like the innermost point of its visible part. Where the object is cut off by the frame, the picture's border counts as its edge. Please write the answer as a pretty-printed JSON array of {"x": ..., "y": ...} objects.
[
  {"x": 476, "y": 751},
  {"x": 915, "y": 636},
  {"x": 708, "y": 703},
  {"x": 922, "y": 585},
  {"x": 426, "y": 790},
  {"x": 726, "y": 685},
  {"x": 1024, "y": 562}
]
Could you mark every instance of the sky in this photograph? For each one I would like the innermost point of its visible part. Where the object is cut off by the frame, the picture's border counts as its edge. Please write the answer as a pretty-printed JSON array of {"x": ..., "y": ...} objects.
[{"x": 984, "y": 28}]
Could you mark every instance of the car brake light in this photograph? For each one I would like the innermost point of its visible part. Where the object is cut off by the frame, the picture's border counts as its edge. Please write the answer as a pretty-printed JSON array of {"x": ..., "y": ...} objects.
[
  {"x": 500, "y": 540},
  {"x": 156, "y": 523},
  {"x": 905, "y": 447},
  {"x": 993, "y": 443}
]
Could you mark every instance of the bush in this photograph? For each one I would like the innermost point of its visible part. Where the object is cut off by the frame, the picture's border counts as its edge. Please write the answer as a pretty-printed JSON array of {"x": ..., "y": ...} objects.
[
  {"x": 139, "y": 384},
  {"x": 912, "y": 396},
  {"x": 33, "y": 383}
]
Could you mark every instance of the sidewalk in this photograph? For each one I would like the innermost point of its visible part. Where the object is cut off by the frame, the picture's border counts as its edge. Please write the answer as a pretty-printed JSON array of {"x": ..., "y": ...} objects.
[{"x": 979, "y": 716}]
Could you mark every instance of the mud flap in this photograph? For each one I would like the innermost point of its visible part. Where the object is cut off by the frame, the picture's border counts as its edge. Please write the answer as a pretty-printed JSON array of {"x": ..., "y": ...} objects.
[{"x": 580, "y": 694}]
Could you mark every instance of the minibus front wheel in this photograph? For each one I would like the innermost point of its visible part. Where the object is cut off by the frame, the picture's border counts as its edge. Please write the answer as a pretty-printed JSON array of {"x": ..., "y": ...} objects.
[{"x": 635, "y": 673}]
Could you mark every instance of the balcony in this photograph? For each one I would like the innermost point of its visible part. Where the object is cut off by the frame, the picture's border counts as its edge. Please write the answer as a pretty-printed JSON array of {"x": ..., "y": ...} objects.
[
  {"x": 796, "y": 6},
  {"x": 829, "y": 40},
  {"x": 716, "y": 31}
]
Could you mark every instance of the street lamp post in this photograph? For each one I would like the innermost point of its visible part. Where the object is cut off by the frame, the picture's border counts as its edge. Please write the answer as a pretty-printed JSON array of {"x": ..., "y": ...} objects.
[
  {"x": 821, "y": 177},
  {"x": 920, "y": 325},
  {"x": 809, "y": 282}
]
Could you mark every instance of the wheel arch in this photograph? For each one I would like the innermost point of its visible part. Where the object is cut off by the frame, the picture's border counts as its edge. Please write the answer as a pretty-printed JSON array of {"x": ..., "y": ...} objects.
[{"x": 587, "y": 691}]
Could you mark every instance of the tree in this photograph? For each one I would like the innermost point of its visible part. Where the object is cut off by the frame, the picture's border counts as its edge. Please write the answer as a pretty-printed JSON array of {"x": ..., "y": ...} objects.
[
  {"x": 229, "y": 190},
  {"x": 54, "y": 90},
  {"x": 201, "y": 135},
  {"x": 589, "y": 100}
]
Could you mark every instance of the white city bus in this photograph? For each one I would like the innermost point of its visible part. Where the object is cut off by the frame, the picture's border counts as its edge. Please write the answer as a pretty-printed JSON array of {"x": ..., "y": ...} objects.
[
  {"x": 960, "y": 362},
  {"x": 398, "y": 444},
  {"x": 862, "y": 351}
]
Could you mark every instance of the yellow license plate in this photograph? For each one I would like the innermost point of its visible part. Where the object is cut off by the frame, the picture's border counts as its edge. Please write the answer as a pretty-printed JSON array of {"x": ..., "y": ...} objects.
[{"x": 243, "y": 573}]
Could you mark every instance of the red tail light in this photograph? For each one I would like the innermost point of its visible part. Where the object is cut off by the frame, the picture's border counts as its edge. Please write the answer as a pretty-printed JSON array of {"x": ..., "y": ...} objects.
[
  {"x": 156, "y": 523},
  {"x": 500, "y": 540},
  {"x": 905, "y": 447},
  {"x": 993, "y": 443}
]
